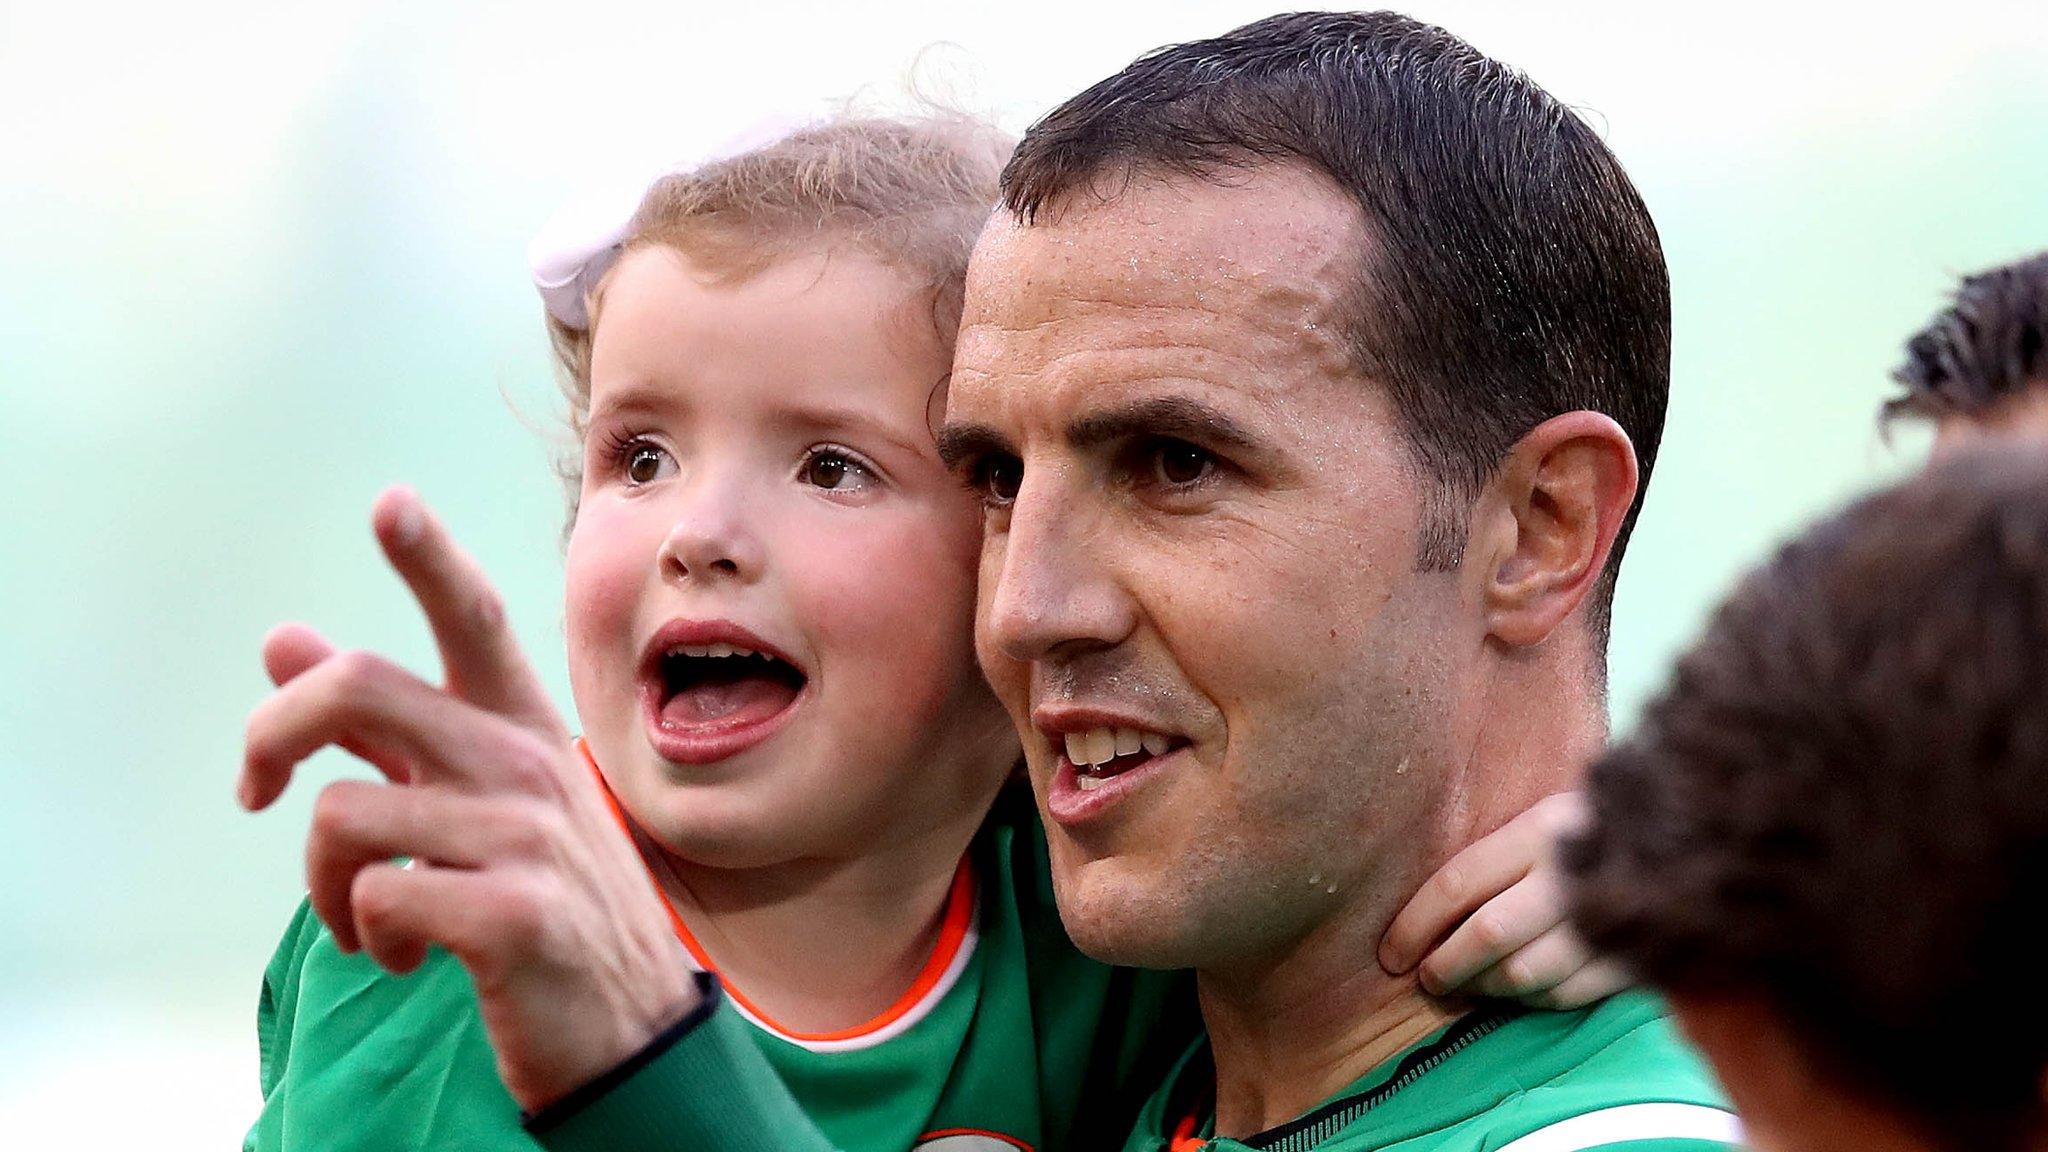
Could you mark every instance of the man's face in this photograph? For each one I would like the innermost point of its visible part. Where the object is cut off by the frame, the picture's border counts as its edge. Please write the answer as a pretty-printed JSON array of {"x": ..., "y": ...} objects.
[{"x": 1199, "y": 566}]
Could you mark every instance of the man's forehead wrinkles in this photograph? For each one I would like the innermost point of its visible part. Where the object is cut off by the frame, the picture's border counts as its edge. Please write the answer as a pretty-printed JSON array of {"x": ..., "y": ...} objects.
[
  {"x": 1259, "y": 371},
  {"x": 1053, "y": 309},
  {"x": 1116, "y": 357},
  {"x": 1278, "y": 318},
  {"x": 1218, "y": 331}
]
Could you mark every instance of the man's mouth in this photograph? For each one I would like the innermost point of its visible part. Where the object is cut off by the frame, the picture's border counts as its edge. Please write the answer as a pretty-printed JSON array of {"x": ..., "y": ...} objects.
[
  {"x": 725, "y": 686},
  {"x": 1100, "y": 754}
]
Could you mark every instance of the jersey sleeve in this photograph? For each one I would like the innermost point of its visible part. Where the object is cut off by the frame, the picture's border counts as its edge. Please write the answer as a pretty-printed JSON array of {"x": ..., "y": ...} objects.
[
  {"x": 703, "y": 1086},
  {"x": 276, "y": 1009}
]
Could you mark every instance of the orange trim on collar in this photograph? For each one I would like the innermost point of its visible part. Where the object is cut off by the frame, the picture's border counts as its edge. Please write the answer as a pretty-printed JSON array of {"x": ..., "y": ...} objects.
[
  {"x": 998, "y": 1137},
  {"x": 953, "y": 927},
  {"x": 1184, "y": 1138}
]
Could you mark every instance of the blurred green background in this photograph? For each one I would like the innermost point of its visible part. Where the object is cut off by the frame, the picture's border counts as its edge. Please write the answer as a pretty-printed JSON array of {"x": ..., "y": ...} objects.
[{"x": 259, "y": 260}]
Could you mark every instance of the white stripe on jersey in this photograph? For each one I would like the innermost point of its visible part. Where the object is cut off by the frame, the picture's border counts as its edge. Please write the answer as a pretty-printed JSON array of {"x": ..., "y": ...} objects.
[
  {"x": 900, "y": 1024},
  {"x": 1632, "y": 1122}
]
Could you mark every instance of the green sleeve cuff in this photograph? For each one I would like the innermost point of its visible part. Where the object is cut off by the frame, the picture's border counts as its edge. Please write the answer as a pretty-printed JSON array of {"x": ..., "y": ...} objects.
[{"x": 708, "y": 1088}]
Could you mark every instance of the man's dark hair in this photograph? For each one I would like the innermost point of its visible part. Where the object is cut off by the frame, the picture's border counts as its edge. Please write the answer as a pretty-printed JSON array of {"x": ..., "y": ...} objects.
[
  {"x": 1988, "y": 345},
  {"x": 1838, "y": 809},
  {"x": 1513, "y": 273}
]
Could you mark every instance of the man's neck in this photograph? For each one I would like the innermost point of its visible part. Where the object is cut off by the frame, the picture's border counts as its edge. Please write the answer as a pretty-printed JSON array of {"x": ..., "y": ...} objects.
[
  {"x": 1290, "y": 1031},
  {"x": 1289, "y": 1040}
]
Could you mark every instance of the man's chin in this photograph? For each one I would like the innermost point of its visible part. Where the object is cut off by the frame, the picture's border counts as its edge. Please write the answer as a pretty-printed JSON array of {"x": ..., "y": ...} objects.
[{"x": 1128, "y": 920}]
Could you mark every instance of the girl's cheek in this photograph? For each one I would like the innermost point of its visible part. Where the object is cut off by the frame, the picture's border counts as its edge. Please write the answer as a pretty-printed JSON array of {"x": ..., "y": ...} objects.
[
  {"x": 901, "y": 591},
  {"x": 603, "y": 576}
]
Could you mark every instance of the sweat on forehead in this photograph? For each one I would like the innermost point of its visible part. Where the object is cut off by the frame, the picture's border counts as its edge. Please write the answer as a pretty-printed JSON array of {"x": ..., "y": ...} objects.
[{"x": 1278, "y": 238}]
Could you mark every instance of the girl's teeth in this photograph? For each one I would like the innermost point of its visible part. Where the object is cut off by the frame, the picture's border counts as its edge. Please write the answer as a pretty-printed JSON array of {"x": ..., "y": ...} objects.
[
  {"x": 718, "y": 650},
  {"x": 1089, "y": 783},
  {"x": 1153, "y": 743},
  {"x": 1128, "y": 741}
]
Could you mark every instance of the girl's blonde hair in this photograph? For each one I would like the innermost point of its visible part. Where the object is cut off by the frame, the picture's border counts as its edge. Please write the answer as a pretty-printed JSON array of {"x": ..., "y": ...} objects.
[{"x": 913, "y": 192}]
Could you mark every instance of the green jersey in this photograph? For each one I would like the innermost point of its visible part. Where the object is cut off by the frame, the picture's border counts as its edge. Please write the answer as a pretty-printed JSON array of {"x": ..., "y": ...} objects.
[
  {"x": 1614, "y": 1077},
  {"x": 1011, "y": 1039}
]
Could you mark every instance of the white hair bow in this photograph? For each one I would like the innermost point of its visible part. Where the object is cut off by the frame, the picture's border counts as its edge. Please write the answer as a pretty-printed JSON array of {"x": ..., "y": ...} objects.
[{"x": 579, "y": 243}]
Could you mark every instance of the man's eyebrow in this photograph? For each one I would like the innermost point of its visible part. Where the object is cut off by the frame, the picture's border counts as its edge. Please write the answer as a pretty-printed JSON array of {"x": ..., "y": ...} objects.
[
  {"x": 960, "y": 443},
  {"x": 1177, "y": 416}
]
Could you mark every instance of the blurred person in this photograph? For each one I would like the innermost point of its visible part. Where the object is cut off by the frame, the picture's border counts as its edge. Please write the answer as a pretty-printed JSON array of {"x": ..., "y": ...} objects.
[
  {"x": 1828, "y": 839},
  {"x": 791, "y": 772},
  {"x": 1979, "y": 369}
]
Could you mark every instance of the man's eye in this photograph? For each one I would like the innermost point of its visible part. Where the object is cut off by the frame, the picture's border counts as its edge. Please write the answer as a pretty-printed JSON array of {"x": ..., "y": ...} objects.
[
  {"x": 998, "y": 478},
  {"x": 836, "y": 472},
  {"x": 1178, "y": 464}
]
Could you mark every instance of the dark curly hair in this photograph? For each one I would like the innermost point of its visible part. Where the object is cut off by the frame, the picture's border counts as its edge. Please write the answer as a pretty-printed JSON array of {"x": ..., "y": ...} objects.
[
  {"x": 1838, "y": 808},
  {"x": 1991, "y": 343}
]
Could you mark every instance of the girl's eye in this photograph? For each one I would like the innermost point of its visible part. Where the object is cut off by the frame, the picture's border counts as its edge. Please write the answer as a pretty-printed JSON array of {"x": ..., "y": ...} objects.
[
  {"x": 1179, "y": 464},
  {"x": 836, "y": 472},
  {"x": 643, "y": 463}
]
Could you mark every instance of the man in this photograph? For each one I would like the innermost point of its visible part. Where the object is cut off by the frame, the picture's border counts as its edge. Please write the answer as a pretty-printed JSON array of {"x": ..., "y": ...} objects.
[
  {"x": 1829, "y": 839},
  {"x": 1980, "y": 367},
  {"x": 1308, "y": 379}
]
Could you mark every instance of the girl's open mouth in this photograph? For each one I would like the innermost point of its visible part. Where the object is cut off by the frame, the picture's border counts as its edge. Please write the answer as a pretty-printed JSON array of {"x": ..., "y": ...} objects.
[
  {"x": 724, "y": 686},
  {"x": 712, "y": 690}
]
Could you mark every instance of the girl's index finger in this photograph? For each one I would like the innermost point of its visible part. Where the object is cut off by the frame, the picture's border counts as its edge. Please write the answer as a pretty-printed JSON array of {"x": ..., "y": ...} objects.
[{"x": 479, "y": 652}]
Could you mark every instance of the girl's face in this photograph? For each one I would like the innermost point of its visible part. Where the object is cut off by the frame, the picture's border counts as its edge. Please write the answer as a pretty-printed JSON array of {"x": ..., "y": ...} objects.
[{"x": 770, "y": 582}]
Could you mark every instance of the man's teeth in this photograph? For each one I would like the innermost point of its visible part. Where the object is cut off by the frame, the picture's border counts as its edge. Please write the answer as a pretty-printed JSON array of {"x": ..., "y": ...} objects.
[
  {"x": 1099, "y": 746},
  {"x": 715, "y": 650}
]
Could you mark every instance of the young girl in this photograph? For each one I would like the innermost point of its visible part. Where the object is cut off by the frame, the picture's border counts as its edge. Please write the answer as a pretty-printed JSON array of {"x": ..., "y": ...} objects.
[{"x": 769, "y": 604}]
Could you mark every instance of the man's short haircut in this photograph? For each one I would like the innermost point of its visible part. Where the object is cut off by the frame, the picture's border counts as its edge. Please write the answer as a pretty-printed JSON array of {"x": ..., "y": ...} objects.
[
  {"x": 1989, "y": 345},
  {"x": 1838, "y": 809},
  {"x": 1513, "y": 274}
]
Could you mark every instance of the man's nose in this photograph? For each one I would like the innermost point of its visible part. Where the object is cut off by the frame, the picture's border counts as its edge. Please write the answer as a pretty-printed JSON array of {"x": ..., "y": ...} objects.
[
  {"x": 1051, "y": 588},
  {"x": 713, "y": 536}
]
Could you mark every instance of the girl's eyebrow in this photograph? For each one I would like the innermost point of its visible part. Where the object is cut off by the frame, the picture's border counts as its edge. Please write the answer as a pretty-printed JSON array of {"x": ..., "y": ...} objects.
[
  {"x": 633, "y": 398},
  {"x": 828, "y": 420},
  {"x": 640, "y": 398}
]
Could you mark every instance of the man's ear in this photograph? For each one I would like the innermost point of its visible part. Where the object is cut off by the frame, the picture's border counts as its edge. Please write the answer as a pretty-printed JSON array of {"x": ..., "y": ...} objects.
[{"x": 1549, "y": 520}]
